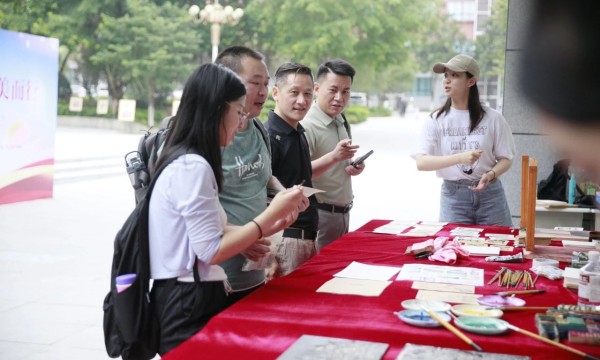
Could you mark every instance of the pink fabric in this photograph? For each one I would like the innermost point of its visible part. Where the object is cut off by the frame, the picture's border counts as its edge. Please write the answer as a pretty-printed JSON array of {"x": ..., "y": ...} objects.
[{"x": 447, "y": 250}]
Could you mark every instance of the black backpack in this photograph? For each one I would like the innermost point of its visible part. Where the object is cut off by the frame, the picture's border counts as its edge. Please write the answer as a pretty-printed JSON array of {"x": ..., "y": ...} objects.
[
  {"x": 554, "y": 187},
  {"x": 131, "y": 329},
  {"x": 140, "y": 164}
]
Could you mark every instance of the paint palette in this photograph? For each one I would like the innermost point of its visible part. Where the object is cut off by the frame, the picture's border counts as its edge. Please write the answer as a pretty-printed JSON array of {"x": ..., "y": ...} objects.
[
  {"x": 498, "y": 301},
  {"x": 418, "y": 304},
  {"x": 421, "y": 318},
  {"x": 481, "y": 325},
  {"x": 476, "y": 310}
]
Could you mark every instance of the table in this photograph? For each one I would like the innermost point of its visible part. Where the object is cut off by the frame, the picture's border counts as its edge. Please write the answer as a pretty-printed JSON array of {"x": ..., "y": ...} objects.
[
  {"x": 268, "y": 321},
  {"x": 587, "y": 218}
]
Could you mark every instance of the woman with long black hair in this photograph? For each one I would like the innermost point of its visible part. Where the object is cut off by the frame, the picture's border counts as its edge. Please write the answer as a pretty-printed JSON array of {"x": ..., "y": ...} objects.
[
  {"x": 187, "y": 225},
  {"x": 469, "y": 145}
]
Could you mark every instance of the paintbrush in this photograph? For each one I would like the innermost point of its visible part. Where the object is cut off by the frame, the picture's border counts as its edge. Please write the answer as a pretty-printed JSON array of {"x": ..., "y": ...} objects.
[
  {"x": 515, "y": 308},
  {"x": 520, "y": 292},
  {"x": 551, "y": 342},
  {"x": 452, "y": 329}
]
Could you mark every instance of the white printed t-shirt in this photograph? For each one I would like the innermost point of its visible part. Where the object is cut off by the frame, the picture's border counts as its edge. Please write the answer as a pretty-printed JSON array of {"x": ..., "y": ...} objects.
[
  {"x": 449, "y": 134},
  {"x": 186, "y": 221}
]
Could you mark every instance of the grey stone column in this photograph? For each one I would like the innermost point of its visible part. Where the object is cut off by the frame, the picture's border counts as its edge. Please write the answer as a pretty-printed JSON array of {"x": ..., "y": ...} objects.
[{"x": 520, "y": 114}]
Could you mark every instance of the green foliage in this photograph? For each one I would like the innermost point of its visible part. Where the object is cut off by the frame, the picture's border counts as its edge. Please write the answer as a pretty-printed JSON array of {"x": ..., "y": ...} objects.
[
  {"x": 315, "y": 31},
  {"x": 379, "y": 111},
  {"x": 356, "y": 114},
  {"x": 264, "y": 114},
  {"x": 146, "y": 48},
  {"x": 88, "y": 109},
  {"x": 149, "y": 47},
  {"x": 438, "y": 39},
  {"x": 491, "y": 45}
]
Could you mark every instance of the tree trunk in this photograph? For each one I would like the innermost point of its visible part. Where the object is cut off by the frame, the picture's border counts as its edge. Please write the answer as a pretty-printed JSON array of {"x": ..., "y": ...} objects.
[
  {"x": 115, "y": 90},
  {"x": 150, "y": 98}
]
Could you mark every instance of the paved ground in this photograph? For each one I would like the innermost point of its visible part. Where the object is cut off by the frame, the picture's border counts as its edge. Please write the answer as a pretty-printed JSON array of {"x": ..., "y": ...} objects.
[{"x": 55, "y": 254}]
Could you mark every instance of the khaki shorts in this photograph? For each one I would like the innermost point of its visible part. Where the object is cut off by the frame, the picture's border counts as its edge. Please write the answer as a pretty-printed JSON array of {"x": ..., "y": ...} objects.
[{"x": 290, "y": 253}]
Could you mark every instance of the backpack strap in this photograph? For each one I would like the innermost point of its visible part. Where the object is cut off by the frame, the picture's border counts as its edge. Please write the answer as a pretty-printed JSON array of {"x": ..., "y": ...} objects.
[
  {"x": 346, "y": 125},
  {"x": 263, "y": 132}
]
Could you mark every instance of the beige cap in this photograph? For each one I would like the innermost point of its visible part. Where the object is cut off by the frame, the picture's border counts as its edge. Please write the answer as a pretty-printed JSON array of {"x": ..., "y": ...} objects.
[{"x": 459, "y": 63}]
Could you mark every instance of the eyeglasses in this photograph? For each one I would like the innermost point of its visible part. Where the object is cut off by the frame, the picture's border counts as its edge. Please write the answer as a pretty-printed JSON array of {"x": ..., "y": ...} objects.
[{"x": 243, "y": 116}]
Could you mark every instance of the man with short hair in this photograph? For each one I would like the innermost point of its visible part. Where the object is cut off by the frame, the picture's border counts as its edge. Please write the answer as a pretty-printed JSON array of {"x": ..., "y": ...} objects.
[
  {"x": 325, "y": 126},
  {"x": 293, "y": 94},
  {"x": 247, "y": 167}
]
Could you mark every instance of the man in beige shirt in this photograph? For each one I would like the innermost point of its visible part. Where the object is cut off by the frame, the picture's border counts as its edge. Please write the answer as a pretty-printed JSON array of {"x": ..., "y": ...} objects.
[{"x": 325, "y": 127}]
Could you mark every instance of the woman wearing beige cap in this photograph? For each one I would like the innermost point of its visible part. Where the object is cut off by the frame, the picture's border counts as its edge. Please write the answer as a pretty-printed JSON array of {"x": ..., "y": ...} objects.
[{"x": 468, "y": 145}]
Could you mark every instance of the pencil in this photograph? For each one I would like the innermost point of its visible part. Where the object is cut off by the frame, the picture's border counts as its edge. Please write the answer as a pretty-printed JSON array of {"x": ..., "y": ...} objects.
[
  {"x": 551, "y": 342},
  {"x": 452, "y": 329},
  {"x": 516, "y": 308}
]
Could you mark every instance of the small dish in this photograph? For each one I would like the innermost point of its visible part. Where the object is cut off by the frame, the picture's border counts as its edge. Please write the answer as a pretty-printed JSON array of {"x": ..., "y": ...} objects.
[
  {"x": 421, "y": 318},
  {"x": 476, "y": 310},
  {"x": 498, "y": 301},
  {"x": 481, "y": 325},
  {"x": 418, "y": 304}
]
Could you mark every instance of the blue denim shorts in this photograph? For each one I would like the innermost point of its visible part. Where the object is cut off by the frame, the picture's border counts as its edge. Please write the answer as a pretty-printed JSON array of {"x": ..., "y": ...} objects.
[{"x": 459, "y": 204}]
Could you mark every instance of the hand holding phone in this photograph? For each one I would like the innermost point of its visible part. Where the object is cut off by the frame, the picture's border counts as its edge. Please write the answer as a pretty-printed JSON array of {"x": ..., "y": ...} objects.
[{"x": 361, "y": 159}]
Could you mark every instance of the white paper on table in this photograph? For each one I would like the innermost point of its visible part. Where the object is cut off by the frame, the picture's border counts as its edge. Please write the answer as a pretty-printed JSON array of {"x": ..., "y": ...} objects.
[
  {"x": 449, "y": 297},
  {"x": 391, "y": 229},
  {"x": 346, "y": 286},
  {"x": 466, "y": 289},
  {"x": 362, "y": 271},
  {"x": 570, "y": 243},
  {"x": 433, "y": 223},
  {"x": 482, "y": 250},
  {"x": 493, "y": 236},
  {"x": 460, "y": 228},
  {"x": 403, "y": 222},
  {"x": 308, "y": 191},
  {"x": 441, "y": 274}
]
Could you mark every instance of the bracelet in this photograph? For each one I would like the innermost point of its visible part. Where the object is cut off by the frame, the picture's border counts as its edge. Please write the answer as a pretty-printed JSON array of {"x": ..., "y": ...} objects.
[
  {"x": 494, "y": 174},
  {"x": 259, "y": 229}
]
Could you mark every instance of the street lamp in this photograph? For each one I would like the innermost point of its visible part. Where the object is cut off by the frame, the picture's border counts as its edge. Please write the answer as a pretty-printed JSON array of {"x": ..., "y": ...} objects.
[{"x": 216, "y": 15}]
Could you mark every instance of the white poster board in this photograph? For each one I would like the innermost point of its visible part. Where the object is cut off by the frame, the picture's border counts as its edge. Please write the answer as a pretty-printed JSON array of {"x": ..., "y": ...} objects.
[
  {"x": 102, "y": 107},
  {"x": 75, "y": 104},
  {"x": 126, "y": 110}
]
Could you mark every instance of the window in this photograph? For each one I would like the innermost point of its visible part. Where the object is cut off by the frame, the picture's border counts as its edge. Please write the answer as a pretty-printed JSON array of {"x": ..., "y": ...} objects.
[
  {"x": 462, "y": 10},
  {"x": 422, "y": 86}
]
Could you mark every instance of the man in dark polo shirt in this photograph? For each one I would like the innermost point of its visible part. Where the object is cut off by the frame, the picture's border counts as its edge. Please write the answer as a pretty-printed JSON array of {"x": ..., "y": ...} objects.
[{"x": 291, "y": 164}]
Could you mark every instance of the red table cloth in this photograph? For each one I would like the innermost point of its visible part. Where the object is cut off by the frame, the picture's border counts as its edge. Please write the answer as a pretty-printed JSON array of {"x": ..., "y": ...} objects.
[{"x": 268, "y": 321}]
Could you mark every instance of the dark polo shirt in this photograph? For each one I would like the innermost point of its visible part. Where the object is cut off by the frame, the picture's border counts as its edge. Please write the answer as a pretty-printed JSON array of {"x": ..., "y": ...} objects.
[{"x": 290, "y": 161}]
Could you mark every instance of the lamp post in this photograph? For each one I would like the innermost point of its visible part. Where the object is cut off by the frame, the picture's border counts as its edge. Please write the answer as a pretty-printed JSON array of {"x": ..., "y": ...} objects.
[{"x": 216, "y": 15}]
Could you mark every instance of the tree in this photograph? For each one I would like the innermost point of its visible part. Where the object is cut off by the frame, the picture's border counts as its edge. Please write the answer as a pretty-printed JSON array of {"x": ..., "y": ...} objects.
[
  {"x": 151, "y": 48},
  {"x": 316, "y": 31},
  {"x": 437, "y": 40},
  {"x": 491, "y": 44}
]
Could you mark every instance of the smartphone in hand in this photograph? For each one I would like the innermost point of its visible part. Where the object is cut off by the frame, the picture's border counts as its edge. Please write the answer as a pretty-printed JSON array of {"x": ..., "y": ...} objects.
[{"x": 361, "y": 159}]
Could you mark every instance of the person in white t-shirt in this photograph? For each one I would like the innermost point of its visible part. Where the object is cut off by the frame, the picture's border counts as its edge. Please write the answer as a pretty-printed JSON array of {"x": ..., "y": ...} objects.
[
  {"x": 468, "y": 145},
  {"x": 188, "y": 235}
]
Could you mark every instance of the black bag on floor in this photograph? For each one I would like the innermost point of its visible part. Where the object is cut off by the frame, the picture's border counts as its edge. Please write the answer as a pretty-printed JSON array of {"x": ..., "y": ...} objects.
[
  {"x": 131, "y": 329},
  {"x": 554, "y": 187}
]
